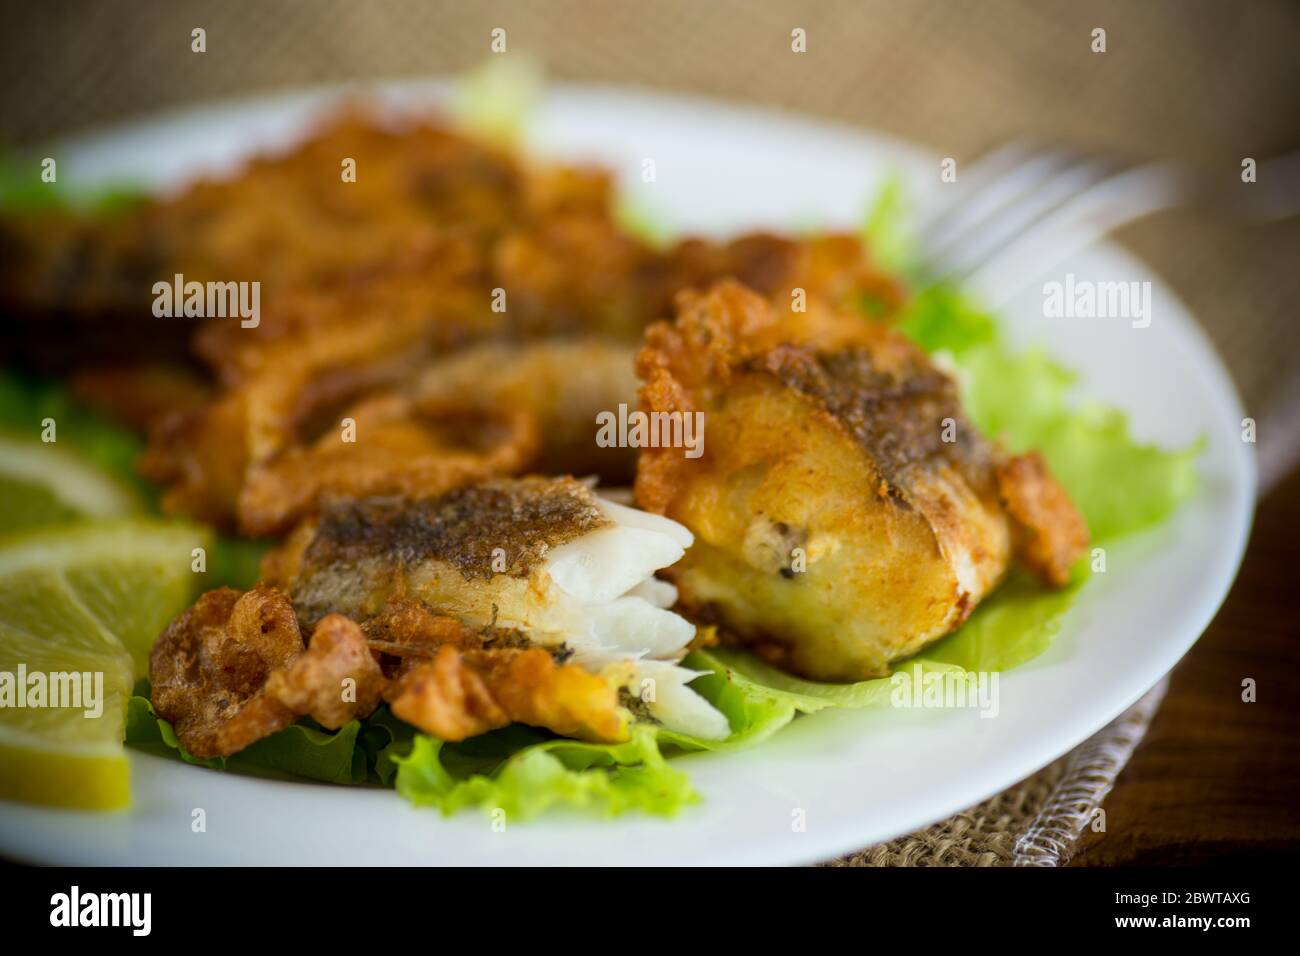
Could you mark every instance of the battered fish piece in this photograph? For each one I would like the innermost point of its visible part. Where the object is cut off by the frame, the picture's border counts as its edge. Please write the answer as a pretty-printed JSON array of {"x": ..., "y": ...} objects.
[
  {"x": 279, "y": 220},
  {"x": 846, "y": 514},
  {"x": 562, "y": 383},
  {"x": 316, "y": 354},
  {"x": 441, "y": 243},
  {"x": 834, "y": 270},
  {"x": 426, "y": 329},
  {"x": 543, "y": 557},
  {"x": 362, "y": 282},
  {"x": 494, "y": 408},
  {"x": 233, "y": 669},
  {"x": 399, "y": 447}
]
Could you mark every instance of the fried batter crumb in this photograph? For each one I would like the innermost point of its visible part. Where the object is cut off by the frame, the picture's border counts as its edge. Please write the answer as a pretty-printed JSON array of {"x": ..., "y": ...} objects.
[
  {"x": 1049, "y": 531},
  {"x": 445, "y": 698},
  {"x": 233, "y": 669}
]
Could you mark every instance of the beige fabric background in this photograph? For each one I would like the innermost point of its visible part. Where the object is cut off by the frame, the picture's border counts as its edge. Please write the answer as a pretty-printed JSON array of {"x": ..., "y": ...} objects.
[{"x": 1205, "y": 82}]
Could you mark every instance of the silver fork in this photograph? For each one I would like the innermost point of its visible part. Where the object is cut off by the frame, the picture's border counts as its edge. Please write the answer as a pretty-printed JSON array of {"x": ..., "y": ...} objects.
[{"x": 1025, "y": 208}]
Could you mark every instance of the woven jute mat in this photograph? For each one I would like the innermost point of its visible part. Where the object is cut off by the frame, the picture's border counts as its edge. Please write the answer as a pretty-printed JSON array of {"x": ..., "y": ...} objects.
[
  {"x": 1038, "y": 821},
  {"x": 1203, "y": 82}
]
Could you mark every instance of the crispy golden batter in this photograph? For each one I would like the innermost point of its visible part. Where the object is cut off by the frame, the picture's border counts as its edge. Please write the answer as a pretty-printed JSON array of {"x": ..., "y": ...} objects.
[
  {"x": 846, "y": 514},
  {"x": 394, "y": 446},
  {"x": 538, "y": 401},
  {"x": 464, "y": 681},
  {"x": 1050, "y": 534},
  {"x": 533, "y": 689},
  {"x": 563, "y": 383},
  {"x": 208, "y": 668},
  {"x": 288, "y": 221},
  {"x": 458, "y": 694},
  {"x": 445, "y": 698},
  {"x": 232, "y": 670},
  {"x": 285, "y": 387},
  {"x": 334, "y": 681},
  {"x": 832, "y": 269}
]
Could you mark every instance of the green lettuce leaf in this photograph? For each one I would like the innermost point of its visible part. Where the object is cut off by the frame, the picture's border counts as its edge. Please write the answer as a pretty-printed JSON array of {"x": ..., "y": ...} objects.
[
  {"x": 26, "y": 401},
  {"x": 301, "y": 749},
  {"x": 754, "y": 711},
  {"x": 1121, "y": 485},
  {"x": 939, "y": 318},
  {"x": 641, "y": 220},
  {"x": 889, "y": 227},
  {"x": 22, "y": 190},
  {"x": 751, "y": 675},
  {"x": 499, "y": 772},
  {"x": 1025, "y": 401},
  {"x": 497, "y": 100},
  {"x": 384, "y": 737},
  {"x": 1012, "y": 627}
]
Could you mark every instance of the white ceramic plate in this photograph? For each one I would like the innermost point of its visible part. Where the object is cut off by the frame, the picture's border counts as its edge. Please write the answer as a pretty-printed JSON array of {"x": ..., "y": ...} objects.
[{"x": 856, "y": 777}]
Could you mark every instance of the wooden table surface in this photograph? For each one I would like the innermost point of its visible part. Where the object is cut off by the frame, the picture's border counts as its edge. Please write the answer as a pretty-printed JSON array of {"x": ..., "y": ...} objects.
[{"x": 1218, "y": 779}]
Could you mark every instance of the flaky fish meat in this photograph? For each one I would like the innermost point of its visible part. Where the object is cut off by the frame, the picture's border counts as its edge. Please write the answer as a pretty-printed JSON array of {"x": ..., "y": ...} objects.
[{"x": 541, "y": 557}]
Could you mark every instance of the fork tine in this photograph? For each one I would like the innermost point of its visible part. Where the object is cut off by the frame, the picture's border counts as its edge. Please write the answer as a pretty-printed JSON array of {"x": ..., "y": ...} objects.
[
  {"x": 981, "y": 173},
  {"x": 986, "y": 239},
  {"x": 977, "y": 202},
  {"x": 1127, "y": 195}
]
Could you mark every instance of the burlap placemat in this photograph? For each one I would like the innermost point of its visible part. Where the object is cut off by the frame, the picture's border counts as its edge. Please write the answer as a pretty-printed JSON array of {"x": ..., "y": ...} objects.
[
  {"x": 1038, "y": 821},
  {"x": 1199, "y": 81}
]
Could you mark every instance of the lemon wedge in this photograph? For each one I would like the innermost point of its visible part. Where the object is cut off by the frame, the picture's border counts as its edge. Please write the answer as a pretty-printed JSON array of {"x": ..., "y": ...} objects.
[{"x": 80, "y": 607}]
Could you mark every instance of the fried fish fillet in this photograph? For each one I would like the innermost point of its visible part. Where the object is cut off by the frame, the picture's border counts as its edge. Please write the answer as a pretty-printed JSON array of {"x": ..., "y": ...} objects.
[
  {"x": 322, "y": 351},
  {"x": 288, "y": 219},
  {"x": 845, "y": 512},
  {"x": 490, "y": 409},
  {"x": 563, "y": 384},
  {"x": 440, "y": 242},
  {"x": 428, "y": 333},
  {"x": 539, "y": 557},
  {"x": 395, "y": 446}
]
